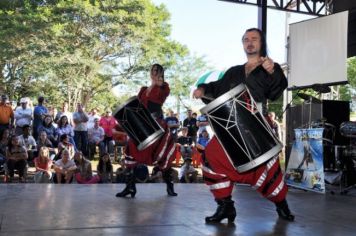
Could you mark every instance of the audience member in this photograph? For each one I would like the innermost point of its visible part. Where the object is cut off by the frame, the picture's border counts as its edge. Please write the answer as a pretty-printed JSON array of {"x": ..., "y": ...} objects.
[
  {"x": 43, "y": 165},
  {"x": 38, "y": 115},
  {"x": 105, "y": 169},
  {"x": 96, "y": 138},
  {"x": 108, "y": 122},
  {"x": 65, "y": 128},
  {"x": 6, "y": 114},
  {"x": 185, "y": 142},
  {"x": 92, "y": 116},
  {"x": 274, "y": 124},
  {"x": 84, "y": 173},
  {"x": 203, "y": 140},
  {"x": 64, "y": 144},
  {"x": 191, "y": 123},
  {"x": 23, "y": 116},
  {"x": 203, "y": 124},
  {"x": 28, "y": 141},
  {"x": 4, "y": 141},
  {"x": 48, "y": 127},
  {"x": 156, "y": 175},
  {"x": 187, "y": 173},
  {"x": 16, "y": 156},
  {"x": 173, "y": 124},
  {"x": 64, "y": 112},
  {"x": 80, "y": 119},
  {"x": 64, "y": 169}
]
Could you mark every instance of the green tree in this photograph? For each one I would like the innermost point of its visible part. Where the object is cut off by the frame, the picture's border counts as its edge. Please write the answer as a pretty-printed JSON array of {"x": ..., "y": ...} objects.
[{"x": 83, "y": 47}]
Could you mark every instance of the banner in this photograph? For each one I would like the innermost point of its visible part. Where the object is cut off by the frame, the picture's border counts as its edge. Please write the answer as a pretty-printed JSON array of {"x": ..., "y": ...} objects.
[{"x": 305, "y": 168}]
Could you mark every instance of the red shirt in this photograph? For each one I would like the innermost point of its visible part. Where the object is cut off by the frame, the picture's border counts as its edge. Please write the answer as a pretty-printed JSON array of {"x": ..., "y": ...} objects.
[
  {"x": 157, "y": 95},
  {"x": 108, "y": 123},
  {"x": 42, "y": 165}
]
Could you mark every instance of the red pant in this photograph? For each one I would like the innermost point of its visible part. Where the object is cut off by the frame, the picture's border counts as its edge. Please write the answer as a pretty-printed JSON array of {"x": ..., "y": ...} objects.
[
  {"x": 220, "y": 174},
  {"x": 161, "y": 153}
]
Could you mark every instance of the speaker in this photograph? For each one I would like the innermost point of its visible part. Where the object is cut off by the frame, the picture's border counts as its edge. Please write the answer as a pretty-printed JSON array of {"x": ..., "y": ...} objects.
[
  {"x": 310, "y": 114},
  {"x": 348, "y": 5},
  {"x": 343, "y": 5}
]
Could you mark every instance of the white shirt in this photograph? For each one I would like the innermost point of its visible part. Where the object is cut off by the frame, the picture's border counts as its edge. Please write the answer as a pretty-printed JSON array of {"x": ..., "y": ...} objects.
[
  {"x": 81, "y": 119},
  {"x": 23, "y": 116},
  {"x": 28, "y": 143},
  {"x": 185, "y": 169},
  {"x": 91, "y": 123},
  {"x": 96, "y": 134},
  {"x": 65, "y": 166}
]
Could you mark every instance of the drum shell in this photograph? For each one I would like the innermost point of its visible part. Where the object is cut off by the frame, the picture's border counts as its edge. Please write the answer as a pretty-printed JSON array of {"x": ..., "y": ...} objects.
[
  {"x": 244, "y": 134},
  {"x": 138, "y": 123}
]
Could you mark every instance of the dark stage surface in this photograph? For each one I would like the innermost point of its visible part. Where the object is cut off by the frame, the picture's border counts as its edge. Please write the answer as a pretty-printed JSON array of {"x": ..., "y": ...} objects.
[{"x": 41, "y": 209}]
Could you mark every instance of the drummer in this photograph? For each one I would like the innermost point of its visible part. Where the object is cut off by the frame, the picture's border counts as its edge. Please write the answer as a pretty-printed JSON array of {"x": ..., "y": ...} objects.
[
  {"x": 161, "y": 153},
  {"x": 265, "y": 80}
]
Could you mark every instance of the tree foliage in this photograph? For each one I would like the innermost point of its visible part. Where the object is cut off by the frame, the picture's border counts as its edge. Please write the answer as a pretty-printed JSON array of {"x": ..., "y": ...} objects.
[{"x": 75, "y": 50}]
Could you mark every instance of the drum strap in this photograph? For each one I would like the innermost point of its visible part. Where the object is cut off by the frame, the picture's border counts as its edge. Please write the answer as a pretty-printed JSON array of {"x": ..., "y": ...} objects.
[{"x": 271, "y": 181}]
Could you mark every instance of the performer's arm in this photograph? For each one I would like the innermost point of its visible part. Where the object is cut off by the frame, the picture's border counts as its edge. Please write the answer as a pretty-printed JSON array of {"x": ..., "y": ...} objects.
[{"x": 277, "y": 83}]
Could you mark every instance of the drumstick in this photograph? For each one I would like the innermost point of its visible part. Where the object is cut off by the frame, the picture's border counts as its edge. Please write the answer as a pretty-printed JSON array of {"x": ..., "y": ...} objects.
[{"x": 208, "y": 98}]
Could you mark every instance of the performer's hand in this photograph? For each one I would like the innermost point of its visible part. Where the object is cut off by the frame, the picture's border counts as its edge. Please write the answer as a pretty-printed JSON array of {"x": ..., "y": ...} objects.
[
  {"x": 198, "y": 93},
  {"x": 268, "y": 64}
]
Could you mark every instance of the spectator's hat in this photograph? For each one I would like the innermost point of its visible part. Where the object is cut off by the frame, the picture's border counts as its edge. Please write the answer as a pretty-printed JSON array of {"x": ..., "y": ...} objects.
[{"x": 23, "y": 100}]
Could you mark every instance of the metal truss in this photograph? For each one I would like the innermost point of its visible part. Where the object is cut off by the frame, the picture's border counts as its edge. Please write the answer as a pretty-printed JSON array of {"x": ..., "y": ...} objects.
[{"x": 310, "y": 7}]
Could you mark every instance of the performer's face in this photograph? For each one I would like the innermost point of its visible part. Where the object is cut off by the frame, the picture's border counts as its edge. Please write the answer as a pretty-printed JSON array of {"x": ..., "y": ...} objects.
[
  {"x": 156, "y": 74},
  {"x": 252, "y": 43}
]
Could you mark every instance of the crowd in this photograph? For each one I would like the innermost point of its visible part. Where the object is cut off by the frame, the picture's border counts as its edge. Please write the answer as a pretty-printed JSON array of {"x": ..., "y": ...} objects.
[{"x": 60, "y": 145}]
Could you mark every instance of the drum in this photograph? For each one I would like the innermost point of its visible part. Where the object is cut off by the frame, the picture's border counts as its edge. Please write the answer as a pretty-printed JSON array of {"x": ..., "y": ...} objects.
[
  {"x": 243, "y": 132},
  {"x": 138, "y": 123}
]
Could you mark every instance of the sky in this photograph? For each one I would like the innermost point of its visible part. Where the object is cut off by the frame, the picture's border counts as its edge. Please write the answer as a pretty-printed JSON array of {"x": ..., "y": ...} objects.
[{"x": 214, "y": 29}]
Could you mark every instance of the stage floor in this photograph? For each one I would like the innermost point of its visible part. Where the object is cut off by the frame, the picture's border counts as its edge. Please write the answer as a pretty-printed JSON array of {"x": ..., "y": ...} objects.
[{"x": 48, "y": 209}]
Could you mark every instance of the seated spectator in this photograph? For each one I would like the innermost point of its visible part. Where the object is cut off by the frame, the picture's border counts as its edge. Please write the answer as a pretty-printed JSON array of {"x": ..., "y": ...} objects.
[
  {"x": 65, "y": 144},
  {"x": 4, "y": 141},
  {"x": 141, "y": 173},
  {"x": 185, "y": 143},
  {"x": 43, "y": 165},
  {"x": 105, "y": 169},
  {"x": 203, "y": 140},
  {"x": 96, "y": 136},
  {"x": 43, "y": 141},
  {"x": 84, "y": 173},
  {"x": 156, "y": 175},
  {"x": 64, "y": 169},
  {"x": 65, "y": 128},
  {"x": 28, "y": 141},
  {"x": 48, "y": 127},
  {"x": 16, "y": 156},
  {"x": 187, "y": 173}
]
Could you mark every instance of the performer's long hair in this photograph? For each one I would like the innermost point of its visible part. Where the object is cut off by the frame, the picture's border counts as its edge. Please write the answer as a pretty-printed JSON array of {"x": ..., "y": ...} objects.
[{"x": 263, "y": 51}]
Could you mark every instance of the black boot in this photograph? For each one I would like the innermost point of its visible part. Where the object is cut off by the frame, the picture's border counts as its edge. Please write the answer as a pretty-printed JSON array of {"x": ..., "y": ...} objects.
[
  {"x": 130, "y": 185},
  {"x": 283, "y": 210},
  {"x": 225, "y": 209},
  {"x": 167, "y": 177}
]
